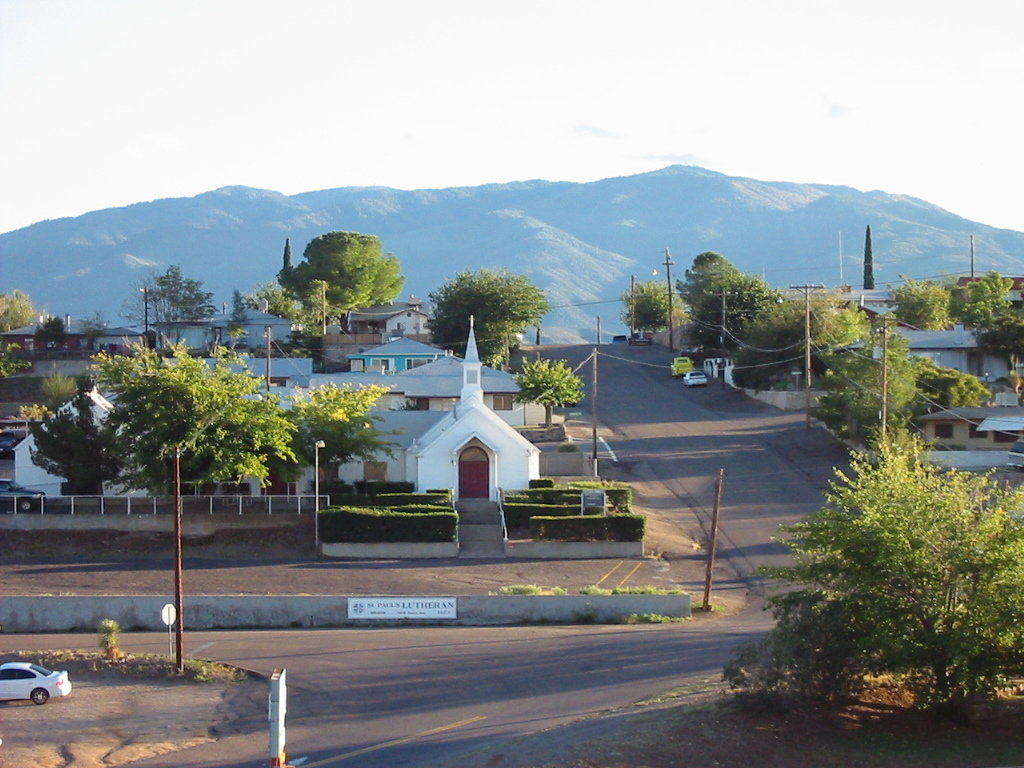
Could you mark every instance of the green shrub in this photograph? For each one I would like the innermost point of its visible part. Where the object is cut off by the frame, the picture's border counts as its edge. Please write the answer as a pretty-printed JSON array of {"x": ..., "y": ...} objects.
[
  {"x": 527, "y": 589},
  {"x": 446, "y": 492},
  {"x": 375, "y": 525},
  {"x": 568, "y": 447},
  {"x": 542, "y": 482},
  {"x": 376, "y": 487},
  {"x": 651, "y": 618},
  {"x": 648, "y": 589},
  {"x": 110, "y": 639},
  {"x": 593, "y": 589},
  {"x": 588, "y": 528},
  {"x": 518, "y": 515},
  {"x": 349, "y": 500},
  {"x": 545, "y": 496},
  {"x": 407, "y": 499}
]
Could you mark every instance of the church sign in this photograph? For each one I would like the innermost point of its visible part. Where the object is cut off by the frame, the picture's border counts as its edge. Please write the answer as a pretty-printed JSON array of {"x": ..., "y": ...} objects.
[{"x": 402, "y": 608}]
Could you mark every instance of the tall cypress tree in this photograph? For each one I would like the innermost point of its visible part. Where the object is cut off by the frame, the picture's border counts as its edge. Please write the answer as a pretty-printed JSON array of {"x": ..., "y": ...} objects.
[
  {"x": 869, "y": 264},
  {"x": 287, "y": 255}
]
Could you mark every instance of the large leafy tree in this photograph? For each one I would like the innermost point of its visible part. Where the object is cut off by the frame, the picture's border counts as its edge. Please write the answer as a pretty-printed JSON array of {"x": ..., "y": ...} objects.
[
  {"x": 16, "y": 310},
  {"x": 645, "y": 306},
  {"x": 353, "y": 268},
  {"x": 213, "y": 413},
  {"x": 773, "y": 343},
  {"x": 502, "y": 303},
  {"x": 548, "y": 382},
  {"x": 341, "y": 417},
  {"x": 981, "y": 302},
  {"x": 924, "y": 304},
  {"x": 272, "y": 298},
  {"x": 78, "y": 444},
  {"x": 852, "y": 403},
  {"x": 169, "y": 299},
  {"x": 909, "y": 570},
  {"x": 8, "y": 363},
  {"x": 1004, "y": 337},
  {"x": 722, "y": 301}
]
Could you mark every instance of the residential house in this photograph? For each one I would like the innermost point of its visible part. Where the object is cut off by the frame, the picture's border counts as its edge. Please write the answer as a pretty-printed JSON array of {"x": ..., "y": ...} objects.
[
  {"x": 251, "y": 331},
  {"x": 80, "y": 337},
  {"x": 391, "y": 320},
  {"x": 399, "y": 355},
  {"x": 992, "y": 428}
]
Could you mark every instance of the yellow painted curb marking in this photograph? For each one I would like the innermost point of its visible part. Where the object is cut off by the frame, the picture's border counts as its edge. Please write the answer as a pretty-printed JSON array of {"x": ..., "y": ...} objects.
[
  {"x": 630, "y": 574},
  {"x": 613, "y": 570}
]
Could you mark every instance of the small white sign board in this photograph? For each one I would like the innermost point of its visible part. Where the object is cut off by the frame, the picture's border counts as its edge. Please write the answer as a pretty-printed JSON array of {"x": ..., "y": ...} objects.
[
  {"x": 168, "y": 614},
  {"x": 402, "y": 608}
]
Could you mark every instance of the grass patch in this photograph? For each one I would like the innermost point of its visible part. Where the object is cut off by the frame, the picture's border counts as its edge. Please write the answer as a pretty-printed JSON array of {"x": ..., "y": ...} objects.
[
  {"x": 593, "y": 589},
  {"x": 144, "y": 666},
  {"x": 527, "y": 589},
  {"x": 651, "y": 618}
]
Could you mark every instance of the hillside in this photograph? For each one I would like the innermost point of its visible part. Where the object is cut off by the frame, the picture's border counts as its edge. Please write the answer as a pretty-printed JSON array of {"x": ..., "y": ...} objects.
[{"x": 579, "y": 242}]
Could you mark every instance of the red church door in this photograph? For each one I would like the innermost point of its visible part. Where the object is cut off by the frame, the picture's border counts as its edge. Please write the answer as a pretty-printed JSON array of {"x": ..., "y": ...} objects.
[{"x": 474, "y": 474}]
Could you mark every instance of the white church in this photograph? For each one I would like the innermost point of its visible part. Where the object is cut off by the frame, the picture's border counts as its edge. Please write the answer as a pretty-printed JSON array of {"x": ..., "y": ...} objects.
[{"x": 468, "y": 448}]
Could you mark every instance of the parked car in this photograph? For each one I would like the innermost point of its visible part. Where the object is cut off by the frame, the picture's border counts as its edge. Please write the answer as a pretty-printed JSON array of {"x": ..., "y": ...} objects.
[
  {"x": 21, "y": 680},
  {"x": 695, "y": 379},
  {"x": 619, "y": 339},
  {"x": 14, "y": 494},
  {"x": 1015, "y": 456},
  {"x": 680, "y": 365}
]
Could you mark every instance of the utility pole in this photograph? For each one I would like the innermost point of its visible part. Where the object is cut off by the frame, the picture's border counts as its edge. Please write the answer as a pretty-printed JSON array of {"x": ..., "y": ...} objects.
[
  {"x": 721, "y": 335},
  {"x": 807, "y": 349},
  {"x": 972, "y": 258},
  {"x": 632, "y": 307},
  {"x": 593, "y": 409},
  {"x": 179, "y": 601},
  {"x": 885, "y": 376},
  {"x": 599, "y": 330},
  {"x": 268, "y": 336},
  {"x": 713, "y": 539},
  {"x": 668, "y": 278}
]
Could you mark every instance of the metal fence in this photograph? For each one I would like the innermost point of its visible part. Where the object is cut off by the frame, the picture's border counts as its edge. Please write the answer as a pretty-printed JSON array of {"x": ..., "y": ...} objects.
[{"x": 160, "y": 505}]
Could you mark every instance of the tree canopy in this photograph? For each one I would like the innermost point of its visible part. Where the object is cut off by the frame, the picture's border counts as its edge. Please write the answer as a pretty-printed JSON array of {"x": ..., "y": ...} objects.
[
  {"x": 548, "y": 382},
  {"x": 924, "y": 304},
  {"x": 503, "y": 305},
  {"x": 352, "y": 267},
  {"x": 341, "y": 418},
  {"x": 714, "y": 290},
  {"x": 78, "y": 445},
  {"x": 909, "y": 570},
  {"x": 16, "y": 310},
  {"x": 645, "y": 308},
  {"x": 225, "y": 429},
  {"x": 981, "y": 302}
]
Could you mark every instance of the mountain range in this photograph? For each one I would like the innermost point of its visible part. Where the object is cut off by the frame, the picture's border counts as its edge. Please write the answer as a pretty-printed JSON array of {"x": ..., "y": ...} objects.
[{"x": 579, "y": 242}]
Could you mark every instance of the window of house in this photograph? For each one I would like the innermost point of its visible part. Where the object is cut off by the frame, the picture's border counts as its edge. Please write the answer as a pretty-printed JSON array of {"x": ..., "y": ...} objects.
[
  {"x": 1005, "y": 437},
  {"x": 944, "y": 430},
  {"x": 501, "y": 402},
  {"x": 375, "y": 470},
  {"x": 973, "y": 432},
  {"x": 414, "y": 362}
]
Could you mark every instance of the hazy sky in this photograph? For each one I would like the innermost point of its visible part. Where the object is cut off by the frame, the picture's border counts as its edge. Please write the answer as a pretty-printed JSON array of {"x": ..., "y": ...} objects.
[{"x": 111, "y": 102}]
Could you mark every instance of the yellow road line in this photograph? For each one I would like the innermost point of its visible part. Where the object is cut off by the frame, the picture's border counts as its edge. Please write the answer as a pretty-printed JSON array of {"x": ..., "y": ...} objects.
[
  {"x": 395, "y": 742},
  {"x": 630, "y": 574},
  {"x": 613, "y": 570}
]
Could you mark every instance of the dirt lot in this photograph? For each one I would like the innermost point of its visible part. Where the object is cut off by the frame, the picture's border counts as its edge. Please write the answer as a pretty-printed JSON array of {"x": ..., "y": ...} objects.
[{"x": 109, "y": 720}]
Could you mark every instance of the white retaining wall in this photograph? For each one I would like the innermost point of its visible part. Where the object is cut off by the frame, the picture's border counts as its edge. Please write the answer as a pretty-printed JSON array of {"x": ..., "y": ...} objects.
[{"x": 83, "y": 614}]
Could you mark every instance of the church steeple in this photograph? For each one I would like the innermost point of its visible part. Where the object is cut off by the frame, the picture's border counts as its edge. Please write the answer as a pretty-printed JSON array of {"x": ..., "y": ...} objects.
[{"x": 471, "y": 369}]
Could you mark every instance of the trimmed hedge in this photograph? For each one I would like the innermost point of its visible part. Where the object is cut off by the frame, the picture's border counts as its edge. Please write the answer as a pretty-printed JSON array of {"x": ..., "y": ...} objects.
[
  {"x": 349, "y": 500},
  {"x": 407, "y": 499},
  {"x": 355, "y": 525},
  {"x": 543, "y": 482},
  {"x": 545, "y": 496},
  {"x": 376, "y": 487},
  {"x": 518, "y": 515},
  {"x": 620, "y": 497},
  {"x": 588, "y": 528}
]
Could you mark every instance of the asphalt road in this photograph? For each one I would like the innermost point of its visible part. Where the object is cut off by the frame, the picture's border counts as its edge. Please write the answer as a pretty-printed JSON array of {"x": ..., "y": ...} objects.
[{"x": 463, "y": 696}]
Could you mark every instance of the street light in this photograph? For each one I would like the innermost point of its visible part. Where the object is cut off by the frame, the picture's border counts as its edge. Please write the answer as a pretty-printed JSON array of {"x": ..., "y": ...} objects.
[{"x": 316, "y": 491}]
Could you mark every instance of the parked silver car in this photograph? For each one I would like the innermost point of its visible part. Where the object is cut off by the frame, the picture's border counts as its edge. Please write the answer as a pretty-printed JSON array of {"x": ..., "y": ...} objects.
[{"x": 695, "y": 379}]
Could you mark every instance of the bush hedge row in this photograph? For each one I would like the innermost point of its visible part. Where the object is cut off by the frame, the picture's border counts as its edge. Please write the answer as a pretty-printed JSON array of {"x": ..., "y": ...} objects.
[
  {"x": 517, "y": 515},
  {"x": 407, "y": 499},
  {"x": 589, "y": 528},
  {"x": 620, "y": 497},
  {"x": 374, "y": 525},
  {"x": 545, "y": 496}
]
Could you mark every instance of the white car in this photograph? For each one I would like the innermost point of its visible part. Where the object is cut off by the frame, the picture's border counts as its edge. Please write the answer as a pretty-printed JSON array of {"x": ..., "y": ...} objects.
[
  {"x": 21, "y": 680},
  {"x": 695, "y": 379}
]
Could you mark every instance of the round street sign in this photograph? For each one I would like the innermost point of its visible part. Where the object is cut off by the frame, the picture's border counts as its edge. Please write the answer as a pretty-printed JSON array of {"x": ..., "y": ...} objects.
[{"x": 168, "y": 614}]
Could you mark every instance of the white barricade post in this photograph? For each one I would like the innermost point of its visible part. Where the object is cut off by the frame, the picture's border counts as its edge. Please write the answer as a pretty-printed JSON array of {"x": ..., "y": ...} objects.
[{"x": 278, "y": 708}]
